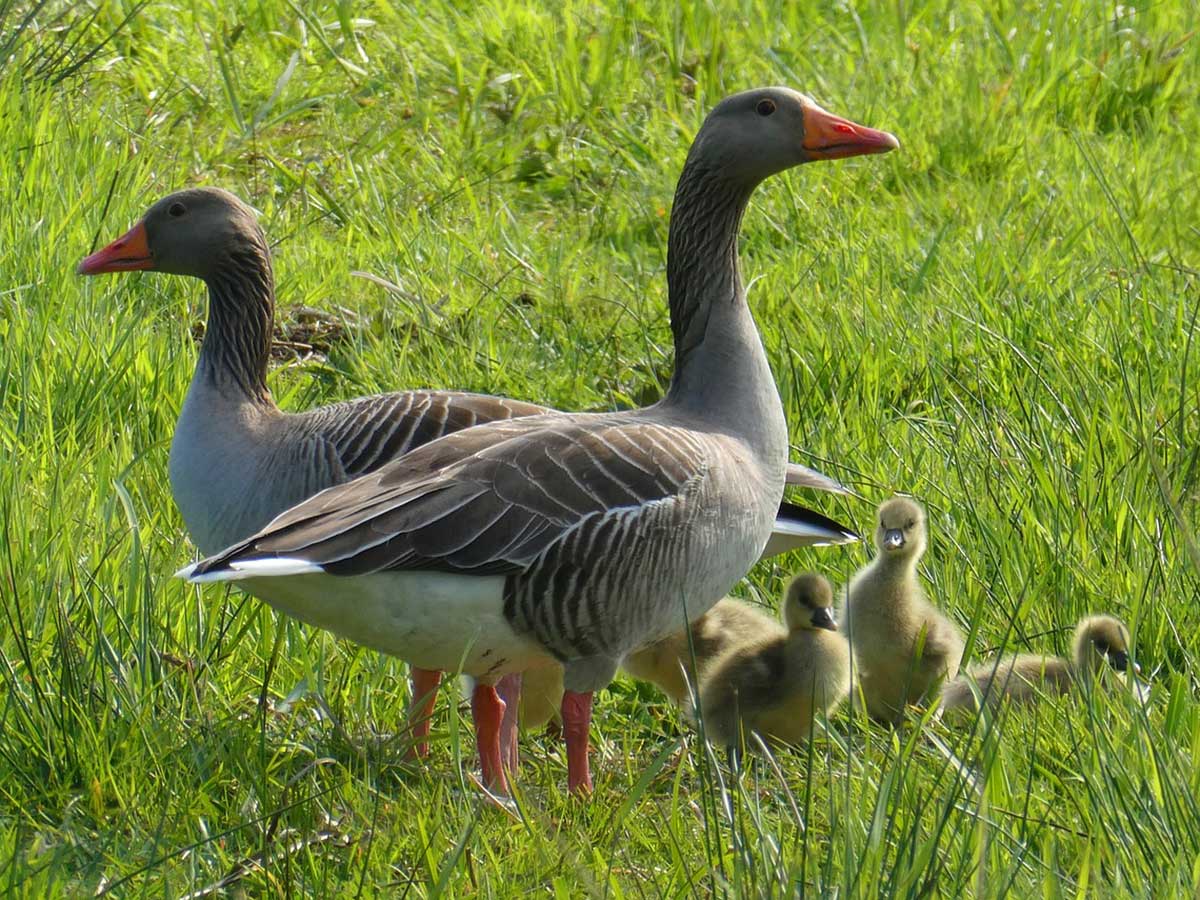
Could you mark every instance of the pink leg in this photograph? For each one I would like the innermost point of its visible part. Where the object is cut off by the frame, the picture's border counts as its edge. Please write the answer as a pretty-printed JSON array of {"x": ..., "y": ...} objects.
[
  {"x": 577, "y": 721},
  {"x": 509, "y": 689},
  {"x": 488, "y": 711},
  {"x": 420, "y": 709}
]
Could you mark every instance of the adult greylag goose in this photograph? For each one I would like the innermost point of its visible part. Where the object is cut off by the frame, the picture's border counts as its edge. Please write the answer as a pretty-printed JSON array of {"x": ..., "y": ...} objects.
[
  {"x": 1100, "y": 643},
  {"x": 514, "y": 543},
  {"x": 903, "y": 646},
  {"x": 237, "y": 460},
  {"x": 776, "y": 684}
]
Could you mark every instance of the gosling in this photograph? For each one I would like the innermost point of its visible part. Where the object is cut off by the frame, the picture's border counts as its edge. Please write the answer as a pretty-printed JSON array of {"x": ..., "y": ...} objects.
[
  {"x": 667, "y": 663},
  {"x": 775, "y": 685},
  {"x": 1100, "y": 642},
  {"x": 904, "y": 648}
]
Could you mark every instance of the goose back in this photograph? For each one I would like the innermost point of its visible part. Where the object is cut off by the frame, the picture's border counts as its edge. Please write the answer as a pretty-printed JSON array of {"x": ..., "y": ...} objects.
[{"x": 236, "y": 464}]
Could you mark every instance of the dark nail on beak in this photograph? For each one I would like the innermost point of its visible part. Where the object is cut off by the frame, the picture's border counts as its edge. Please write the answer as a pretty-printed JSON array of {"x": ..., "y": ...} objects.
[
  {"x": 893, "y": 538},
  {"x": 822, "y": 617}
]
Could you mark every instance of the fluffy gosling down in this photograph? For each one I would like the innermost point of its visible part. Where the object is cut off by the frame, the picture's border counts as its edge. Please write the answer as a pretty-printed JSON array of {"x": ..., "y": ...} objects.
[
  {"x": 774, "y": 685},
  {"x": 1101, "y": 642},
  {"x": 904, "y": 648},
  {"x": 667, "y": 663}
]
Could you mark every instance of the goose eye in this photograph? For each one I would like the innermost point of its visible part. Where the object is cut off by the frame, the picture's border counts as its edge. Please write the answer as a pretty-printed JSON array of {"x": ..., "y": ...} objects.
[
  {"x": 765, "y": 107},
  {"x": 176, "y": 210}
]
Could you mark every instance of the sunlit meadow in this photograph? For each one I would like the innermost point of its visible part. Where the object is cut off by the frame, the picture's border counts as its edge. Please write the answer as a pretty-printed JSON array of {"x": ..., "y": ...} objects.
[{"x": 999, "y": 319}]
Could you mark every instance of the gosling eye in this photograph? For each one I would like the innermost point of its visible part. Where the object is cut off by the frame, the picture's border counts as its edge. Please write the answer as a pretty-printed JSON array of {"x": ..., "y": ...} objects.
[
  {"x": 176, "y": 209},
  {"x": 765, "y": 106}
]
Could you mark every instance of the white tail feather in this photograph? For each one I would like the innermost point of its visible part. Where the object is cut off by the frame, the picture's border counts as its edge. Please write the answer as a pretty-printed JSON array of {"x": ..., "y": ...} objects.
[
  {"x": 790, "y": 535},
  {"x": 251, "y": 568}
]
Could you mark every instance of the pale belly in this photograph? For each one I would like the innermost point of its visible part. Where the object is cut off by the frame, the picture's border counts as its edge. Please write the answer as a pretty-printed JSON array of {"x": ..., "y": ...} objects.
[{"x": 432, "y": 620}]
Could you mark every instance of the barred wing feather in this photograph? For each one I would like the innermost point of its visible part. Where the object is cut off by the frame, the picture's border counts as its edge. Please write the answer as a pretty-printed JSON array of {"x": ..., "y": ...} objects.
[{"x": 498, "y": 497}]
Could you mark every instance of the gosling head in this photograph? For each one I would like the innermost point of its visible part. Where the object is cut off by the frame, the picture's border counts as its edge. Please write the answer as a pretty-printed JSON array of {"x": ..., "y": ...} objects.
[
  {"x": 808, "y": 603},
  {"x": 900, "y": 529},
  {"x": 1101, "y": 640}
]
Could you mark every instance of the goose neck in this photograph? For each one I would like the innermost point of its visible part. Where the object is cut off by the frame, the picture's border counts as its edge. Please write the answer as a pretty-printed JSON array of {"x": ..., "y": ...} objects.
[
  {"x": 237, "y": 340},
  {"x": 703, "y": 276},
  {"x": 721, "y": 371}
]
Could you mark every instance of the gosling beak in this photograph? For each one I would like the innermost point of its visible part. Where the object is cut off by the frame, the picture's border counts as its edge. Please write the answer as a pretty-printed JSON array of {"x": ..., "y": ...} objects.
[
  {"x": 1119, "y": 660},
  {"x": 827, "y": 136},
  {"x": 128, "y": 252},
  {"x": 893, "y": 539},
  {"x": 822, "y": 617}
]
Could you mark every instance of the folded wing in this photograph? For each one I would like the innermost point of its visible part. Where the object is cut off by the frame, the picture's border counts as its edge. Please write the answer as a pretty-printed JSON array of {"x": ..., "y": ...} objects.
[{"x": 488, "y": 500}]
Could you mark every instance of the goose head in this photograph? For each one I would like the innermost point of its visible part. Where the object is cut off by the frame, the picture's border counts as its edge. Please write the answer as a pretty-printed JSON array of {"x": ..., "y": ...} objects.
[
  {"x": 900, "y": 529},
  {"x": 808, "y": 603},
  {"x": 1101, "y": 640},
  {"x": 754, "y": 134},
  {"x": 190, "y": 232}
]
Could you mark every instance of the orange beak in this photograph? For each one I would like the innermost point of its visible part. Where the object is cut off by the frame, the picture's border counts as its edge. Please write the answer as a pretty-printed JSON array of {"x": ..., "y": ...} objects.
[
  {"x": 126, "y": 253},
  {"x": 827, "y": 136}
]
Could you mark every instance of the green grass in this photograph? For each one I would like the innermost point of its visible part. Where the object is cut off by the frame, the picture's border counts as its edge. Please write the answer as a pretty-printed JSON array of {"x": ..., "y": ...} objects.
[{"x": 1000, "y": 319}]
